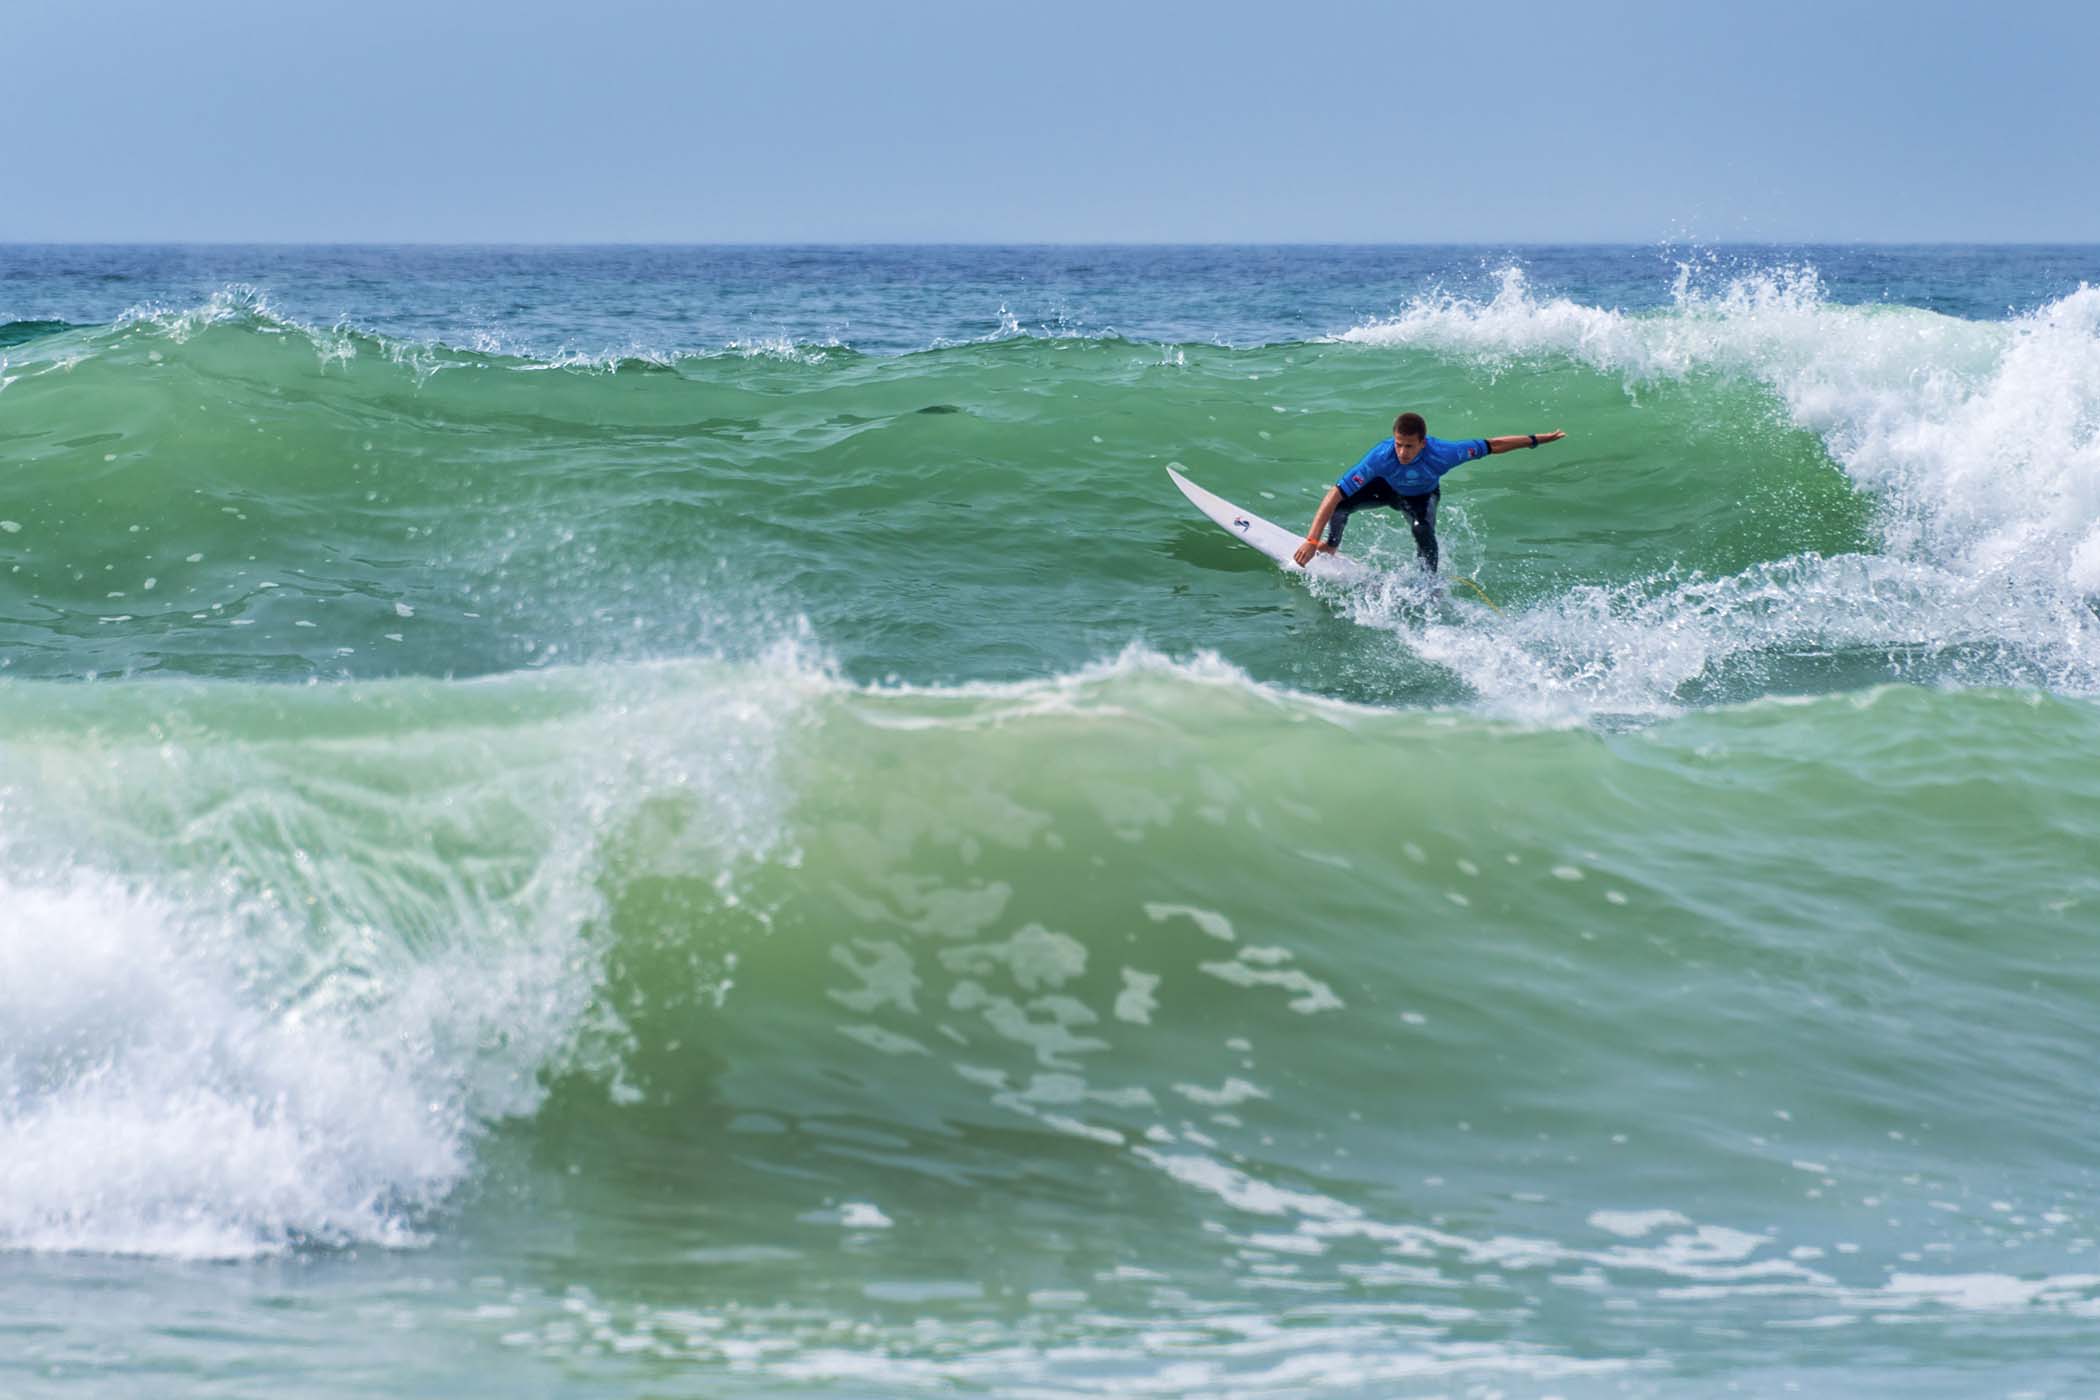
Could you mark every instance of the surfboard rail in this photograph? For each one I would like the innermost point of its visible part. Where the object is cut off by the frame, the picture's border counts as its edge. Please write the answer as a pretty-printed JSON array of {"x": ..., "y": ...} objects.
[{"x": 1265, "y": 535}]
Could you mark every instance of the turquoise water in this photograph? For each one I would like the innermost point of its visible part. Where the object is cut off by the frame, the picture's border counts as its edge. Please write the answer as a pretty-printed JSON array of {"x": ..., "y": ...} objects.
[{"x": 612, "y": 822}]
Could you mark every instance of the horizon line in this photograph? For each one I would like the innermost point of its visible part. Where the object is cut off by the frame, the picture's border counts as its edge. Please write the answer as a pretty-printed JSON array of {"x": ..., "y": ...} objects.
[{"x": 1047, "y": 243}]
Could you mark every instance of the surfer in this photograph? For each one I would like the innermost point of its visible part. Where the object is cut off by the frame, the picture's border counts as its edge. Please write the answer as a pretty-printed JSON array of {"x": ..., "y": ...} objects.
[{"x": 1403, "y": 473}]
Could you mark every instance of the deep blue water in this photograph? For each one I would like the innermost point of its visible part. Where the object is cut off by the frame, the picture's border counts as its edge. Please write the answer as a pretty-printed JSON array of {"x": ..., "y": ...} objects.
[{"x": 595, "y": 301}]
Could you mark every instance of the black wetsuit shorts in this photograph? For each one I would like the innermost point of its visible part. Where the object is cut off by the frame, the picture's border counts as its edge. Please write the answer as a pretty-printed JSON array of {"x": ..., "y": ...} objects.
[{"x": 1419, "y": 510}]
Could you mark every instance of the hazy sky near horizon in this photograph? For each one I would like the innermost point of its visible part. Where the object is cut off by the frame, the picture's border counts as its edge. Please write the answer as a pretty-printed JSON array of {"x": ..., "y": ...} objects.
[{"x": 943, "y": 121}]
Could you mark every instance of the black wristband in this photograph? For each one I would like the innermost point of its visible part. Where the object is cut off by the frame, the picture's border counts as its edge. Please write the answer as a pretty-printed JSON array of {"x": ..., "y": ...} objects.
[{"x": 1534, "y": 439}]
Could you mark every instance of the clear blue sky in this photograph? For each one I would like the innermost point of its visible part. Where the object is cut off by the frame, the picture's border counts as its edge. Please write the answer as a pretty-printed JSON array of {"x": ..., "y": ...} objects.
[{"x": 1311, "y": 120}]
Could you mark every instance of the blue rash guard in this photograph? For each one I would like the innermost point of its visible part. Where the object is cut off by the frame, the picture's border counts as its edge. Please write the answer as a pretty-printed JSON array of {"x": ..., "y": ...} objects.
[{"x": 1416, "y": 478}]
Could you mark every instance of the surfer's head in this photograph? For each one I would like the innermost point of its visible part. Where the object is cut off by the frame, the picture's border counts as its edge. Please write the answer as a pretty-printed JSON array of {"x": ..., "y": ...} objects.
[{"x": 1409, "y": 433}]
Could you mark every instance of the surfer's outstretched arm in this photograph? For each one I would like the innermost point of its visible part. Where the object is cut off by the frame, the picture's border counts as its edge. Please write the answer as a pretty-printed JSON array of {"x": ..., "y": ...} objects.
[
  {"x": 1511, "y": 444},
  {"x": 1319, "y": 526}
]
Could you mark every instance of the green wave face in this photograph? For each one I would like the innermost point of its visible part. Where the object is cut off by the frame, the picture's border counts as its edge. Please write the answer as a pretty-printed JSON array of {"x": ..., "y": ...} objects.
[
  {"x": 248, "y": 499},
  {"x": 1118, "y": 990},
  {"x": 231, "y": 495}
]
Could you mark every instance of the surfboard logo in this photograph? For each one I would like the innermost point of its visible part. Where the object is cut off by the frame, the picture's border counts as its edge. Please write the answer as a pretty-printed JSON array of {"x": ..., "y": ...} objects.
[{"x": 1242, "y": 523}]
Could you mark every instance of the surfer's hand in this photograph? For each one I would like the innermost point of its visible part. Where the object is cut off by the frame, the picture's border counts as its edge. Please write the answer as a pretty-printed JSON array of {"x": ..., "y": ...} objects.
[
  {"x": 1555, "y": 436},
  {"x": 1306, "y": 551}
]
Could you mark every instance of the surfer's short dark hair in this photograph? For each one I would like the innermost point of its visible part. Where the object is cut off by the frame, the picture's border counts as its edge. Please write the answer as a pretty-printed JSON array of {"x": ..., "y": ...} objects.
[{"x": 1410, "y": 425}]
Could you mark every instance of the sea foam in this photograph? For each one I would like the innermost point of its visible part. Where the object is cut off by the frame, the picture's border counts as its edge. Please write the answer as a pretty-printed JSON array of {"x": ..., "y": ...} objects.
[
  {"x": 1978, "y": 441},
  {"x": 1982, "y": 437},
  {"x": 267, "y": 988}
]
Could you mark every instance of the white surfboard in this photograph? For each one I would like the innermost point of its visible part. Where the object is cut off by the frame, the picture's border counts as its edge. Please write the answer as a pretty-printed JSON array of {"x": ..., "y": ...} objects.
[{"x": 1273, "y": 540}]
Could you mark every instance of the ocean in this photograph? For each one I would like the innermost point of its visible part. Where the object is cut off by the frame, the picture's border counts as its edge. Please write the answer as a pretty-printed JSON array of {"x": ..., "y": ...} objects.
[{"x": 707, "y": 822}]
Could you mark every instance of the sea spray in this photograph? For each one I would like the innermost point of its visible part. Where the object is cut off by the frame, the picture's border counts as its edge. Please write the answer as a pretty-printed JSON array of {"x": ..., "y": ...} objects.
[{"x": 279, "y": 957}]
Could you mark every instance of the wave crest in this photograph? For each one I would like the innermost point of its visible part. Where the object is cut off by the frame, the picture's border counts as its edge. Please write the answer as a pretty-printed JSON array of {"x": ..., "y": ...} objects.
[{"x": 1981, "y": 439}]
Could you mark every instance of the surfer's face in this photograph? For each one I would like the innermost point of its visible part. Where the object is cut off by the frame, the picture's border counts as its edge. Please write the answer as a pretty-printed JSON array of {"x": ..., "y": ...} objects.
[{"x": 1407, "y": 448}]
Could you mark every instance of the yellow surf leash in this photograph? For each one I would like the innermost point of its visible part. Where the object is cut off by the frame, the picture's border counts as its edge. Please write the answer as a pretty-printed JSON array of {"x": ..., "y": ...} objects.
[{"x": 1461, "y": 578}]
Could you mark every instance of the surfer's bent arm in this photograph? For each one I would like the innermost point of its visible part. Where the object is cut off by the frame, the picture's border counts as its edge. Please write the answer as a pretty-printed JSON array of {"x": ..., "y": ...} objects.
[
  {"x": 1328, "y": 502},
  {"x": 1511, "y": 444},
  {"x": 1332, "y": 499}
]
